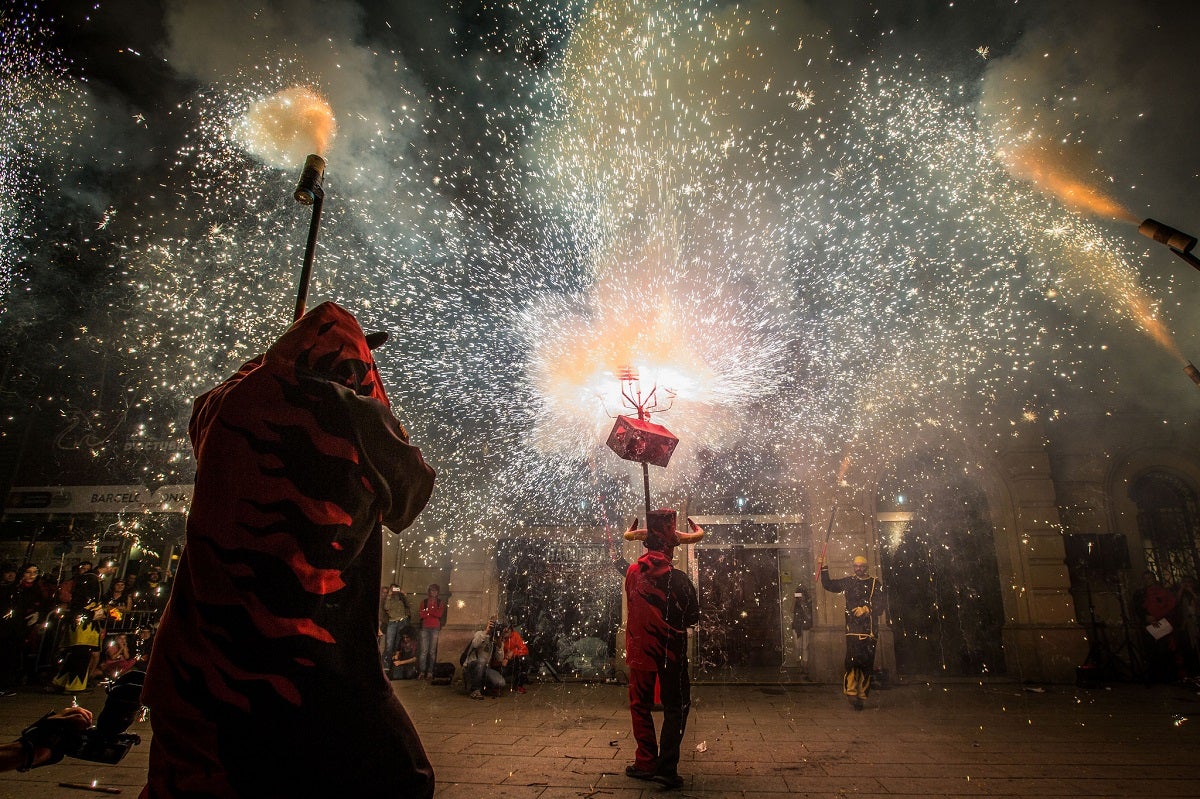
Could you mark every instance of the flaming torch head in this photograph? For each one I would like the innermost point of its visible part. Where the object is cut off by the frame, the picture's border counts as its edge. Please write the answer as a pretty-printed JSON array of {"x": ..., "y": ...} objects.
[
  {"x": 309, "y": 188},
  {"x": 1165, "y": 234}
]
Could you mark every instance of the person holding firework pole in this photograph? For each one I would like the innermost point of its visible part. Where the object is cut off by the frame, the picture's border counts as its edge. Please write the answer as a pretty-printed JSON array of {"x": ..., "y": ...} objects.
[
  {"x": 662, "y": 604},
  {"x": 265, "y": 676},
  {"x": 864, "y": 605}
]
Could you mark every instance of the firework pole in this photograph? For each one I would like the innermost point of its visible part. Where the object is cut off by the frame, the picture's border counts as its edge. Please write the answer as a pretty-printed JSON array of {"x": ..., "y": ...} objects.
[
  {"x": 641, "y": 440},
  {"x": 309, "y": 191},
  {"x": 644, "y": 416},
  {"x": 825, "y": 546}
]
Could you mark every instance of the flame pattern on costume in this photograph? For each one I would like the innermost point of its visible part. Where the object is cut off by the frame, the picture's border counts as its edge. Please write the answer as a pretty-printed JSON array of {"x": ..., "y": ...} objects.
[{"x": 265, "y": 678}]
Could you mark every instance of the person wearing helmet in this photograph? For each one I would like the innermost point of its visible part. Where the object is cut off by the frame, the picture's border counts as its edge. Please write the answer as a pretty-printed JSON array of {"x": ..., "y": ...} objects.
[{"x": 864, "y": 606}]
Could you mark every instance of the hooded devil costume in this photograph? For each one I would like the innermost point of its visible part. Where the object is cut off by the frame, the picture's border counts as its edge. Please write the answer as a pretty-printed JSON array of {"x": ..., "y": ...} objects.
[
  {"x": 662, "y": 604},
  {"x": 265, "y": 678}
]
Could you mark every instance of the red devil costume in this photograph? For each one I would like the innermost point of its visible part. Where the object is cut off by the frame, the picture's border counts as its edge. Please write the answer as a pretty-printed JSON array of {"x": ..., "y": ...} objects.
[
  {"x": 661, "y": 604},
  {"x": 265, "y": 678}
]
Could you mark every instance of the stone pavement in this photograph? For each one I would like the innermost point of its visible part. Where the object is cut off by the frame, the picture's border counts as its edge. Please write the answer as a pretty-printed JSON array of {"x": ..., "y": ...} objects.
[{"x": 572, "y": 740}]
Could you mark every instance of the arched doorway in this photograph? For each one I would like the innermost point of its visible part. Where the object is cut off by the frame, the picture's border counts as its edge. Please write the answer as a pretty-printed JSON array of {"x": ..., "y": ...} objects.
[
  {"x": 1169, "y": 522},
  {"x": 938, "y": 557}
]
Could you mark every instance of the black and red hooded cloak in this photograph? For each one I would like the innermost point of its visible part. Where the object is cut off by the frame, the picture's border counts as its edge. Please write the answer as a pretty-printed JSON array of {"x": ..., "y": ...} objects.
[{"x": 265, "y": 677}]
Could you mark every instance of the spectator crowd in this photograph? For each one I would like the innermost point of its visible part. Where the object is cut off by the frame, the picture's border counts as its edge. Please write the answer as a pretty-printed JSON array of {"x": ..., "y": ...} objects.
[{"x": 69, "y": 628}]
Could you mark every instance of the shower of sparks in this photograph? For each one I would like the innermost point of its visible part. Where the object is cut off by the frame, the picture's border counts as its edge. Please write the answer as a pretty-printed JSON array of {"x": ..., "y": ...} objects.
[
  {"x": 826, "y": 263},
  {"x": 44, "y": 116}
]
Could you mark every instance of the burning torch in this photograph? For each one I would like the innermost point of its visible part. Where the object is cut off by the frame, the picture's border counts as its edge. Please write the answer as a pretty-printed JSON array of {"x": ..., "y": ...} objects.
[
  {"x": 309, "y": 191},
  {"x": 1181, "y": 244},
  {"x": 638, "y": 439}
]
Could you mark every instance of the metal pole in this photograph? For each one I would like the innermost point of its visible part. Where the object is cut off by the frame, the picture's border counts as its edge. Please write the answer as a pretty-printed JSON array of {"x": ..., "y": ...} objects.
[
  {"x": 643, "y": 416},
  {"x": 646, "y": 485},
  {"x": 310, "y": 251},
  {"x": 825, "y": 546},
  {"x": 310, "y": 190},
  {"x": 1187, "y": 257}
]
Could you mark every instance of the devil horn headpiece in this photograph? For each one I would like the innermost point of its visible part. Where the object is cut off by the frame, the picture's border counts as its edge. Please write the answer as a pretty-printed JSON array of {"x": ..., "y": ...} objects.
[{"x": 661, "y": 525}]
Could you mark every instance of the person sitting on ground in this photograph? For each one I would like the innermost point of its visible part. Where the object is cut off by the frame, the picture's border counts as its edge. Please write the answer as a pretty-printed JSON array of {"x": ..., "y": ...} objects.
[
  {"x": 476, "y": 661},
  {"x": 404, "y": 659},
  {"x": 515, "y": 657}
]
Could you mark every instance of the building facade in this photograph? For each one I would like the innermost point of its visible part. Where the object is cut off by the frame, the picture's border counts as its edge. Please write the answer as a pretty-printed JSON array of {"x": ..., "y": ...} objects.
[{"x": 1020, "y": 561}]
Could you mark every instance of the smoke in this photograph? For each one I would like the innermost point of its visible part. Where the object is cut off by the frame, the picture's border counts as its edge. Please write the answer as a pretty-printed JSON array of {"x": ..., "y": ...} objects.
[
  {"x": 296, "y": 50},
  {"x": 285, "y": 127},
  {"x": 1104, "y": 78},
  {"x": 1096, "y": 91}
]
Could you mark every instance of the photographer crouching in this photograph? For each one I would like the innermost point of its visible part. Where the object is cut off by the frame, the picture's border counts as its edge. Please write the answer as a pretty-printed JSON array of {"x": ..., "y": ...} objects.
[{"x": 476, "y": 661}]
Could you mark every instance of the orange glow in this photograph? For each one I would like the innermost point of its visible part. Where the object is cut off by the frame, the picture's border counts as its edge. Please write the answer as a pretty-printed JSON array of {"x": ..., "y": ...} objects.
[
  {"x": 284, "y": 127},
  {"x": 1058, "y": 171},
  {"x": 845, "y": 467},
  {"x": 1140, "y": 308}
]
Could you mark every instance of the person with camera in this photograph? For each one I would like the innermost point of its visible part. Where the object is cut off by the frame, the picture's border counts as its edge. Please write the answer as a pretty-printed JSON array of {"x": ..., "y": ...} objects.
[
  {"x": 393, "y": 618},
  {"x": 476, "y": 660}
]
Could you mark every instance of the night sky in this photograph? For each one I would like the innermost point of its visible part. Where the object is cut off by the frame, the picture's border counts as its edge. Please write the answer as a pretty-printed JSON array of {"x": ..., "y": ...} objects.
[{"x": 817, "y": 228}]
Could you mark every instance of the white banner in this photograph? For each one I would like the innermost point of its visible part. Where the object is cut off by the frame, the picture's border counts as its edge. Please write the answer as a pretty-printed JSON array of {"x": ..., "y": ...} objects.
[{"x": 99, "y": 499}]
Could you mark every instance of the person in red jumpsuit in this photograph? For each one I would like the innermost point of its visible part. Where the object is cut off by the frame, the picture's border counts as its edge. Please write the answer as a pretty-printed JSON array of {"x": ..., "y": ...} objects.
[{"x": 662, "y": 604}]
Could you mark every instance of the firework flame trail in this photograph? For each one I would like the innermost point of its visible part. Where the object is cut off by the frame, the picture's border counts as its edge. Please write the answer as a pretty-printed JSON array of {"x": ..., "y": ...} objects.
[{"x": 1057, "y": 172}]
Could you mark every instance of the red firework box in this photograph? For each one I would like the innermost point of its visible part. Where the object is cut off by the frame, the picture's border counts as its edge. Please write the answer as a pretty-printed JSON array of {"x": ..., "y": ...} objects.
[{"x": 641, "y": 441}]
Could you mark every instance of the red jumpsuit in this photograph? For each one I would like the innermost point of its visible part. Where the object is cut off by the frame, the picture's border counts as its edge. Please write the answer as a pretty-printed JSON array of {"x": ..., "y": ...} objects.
[{"x": 662, "y": 604}]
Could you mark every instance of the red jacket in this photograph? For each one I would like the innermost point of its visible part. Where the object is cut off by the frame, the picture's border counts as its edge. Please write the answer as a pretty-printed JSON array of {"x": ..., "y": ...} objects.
[{"x": 661, "y": 606}]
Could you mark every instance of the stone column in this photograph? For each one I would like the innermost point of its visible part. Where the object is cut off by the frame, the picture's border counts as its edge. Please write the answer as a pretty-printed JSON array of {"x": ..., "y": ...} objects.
[
  {"x": 1042, "y": 638},
  {"x": 473, "y": 598}
]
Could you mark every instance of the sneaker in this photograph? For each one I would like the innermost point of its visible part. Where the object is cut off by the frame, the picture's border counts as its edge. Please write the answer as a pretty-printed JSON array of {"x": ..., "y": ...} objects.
[
  {"x": 477, "y": 695},
  {"x": 669, "y": 782},
  {"x": 638, "y": 774}
]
